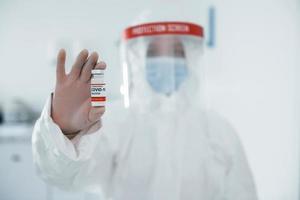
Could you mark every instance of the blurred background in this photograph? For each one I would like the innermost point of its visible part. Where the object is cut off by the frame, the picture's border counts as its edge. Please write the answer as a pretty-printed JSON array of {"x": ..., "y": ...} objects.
[{"x": 252, "y": 78}]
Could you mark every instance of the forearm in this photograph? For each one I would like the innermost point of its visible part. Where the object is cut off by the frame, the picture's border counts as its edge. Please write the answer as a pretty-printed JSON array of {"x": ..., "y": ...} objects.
[{"x": 60, "y": 160}]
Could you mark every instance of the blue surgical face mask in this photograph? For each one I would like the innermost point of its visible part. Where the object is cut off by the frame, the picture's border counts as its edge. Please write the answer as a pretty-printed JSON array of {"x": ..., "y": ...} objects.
[{"x": 165, "y": 74}]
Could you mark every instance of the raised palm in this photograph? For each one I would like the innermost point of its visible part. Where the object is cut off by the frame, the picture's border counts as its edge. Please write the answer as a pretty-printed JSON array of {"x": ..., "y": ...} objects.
[{"x": 71, "y": 106}]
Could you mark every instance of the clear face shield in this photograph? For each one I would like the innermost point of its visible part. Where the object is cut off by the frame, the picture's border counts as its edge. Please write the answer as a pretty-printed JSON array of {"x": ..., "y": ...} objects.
[{"x": 162, "y": 64}]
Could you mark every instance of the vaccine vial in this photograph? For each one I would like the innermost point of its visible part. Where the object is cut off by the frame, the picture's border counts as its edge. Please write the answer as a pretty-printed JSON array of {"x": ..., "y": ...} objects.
[{"x": 98, "y": 93}]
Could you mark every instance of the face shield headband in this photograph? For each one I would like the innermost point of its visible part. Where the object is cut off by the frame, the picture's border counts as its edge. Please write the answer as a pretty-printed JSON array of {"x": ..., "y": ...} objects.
[{"x": 163, "y": 28}]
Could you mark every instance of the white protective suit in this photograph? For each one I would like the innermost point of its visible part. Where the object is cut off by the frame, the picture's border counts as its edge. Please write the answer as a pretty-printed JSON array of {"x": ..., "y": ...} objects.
[{"x": 162, "y": 147}]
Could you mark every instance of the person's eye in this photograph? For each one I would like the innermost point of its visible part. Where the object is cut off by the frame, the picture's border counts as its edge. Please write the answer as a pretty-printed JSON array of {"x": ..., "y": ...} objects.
[
  {"x": 151, "y": 52},
  {"x": 179, "y": 53}
]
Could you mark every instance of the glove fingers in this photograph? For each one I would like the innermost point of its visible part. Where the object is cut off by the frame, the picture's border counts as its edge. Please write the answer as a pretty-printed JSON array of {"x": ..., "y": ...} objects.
[
  {"x": 88, "y": 66},
  {"x": 60, "y": 68},
  {"x": 94, "y": 127},
  {"x": 77, "y": 66},
  {"x": 96, "y": 113}
]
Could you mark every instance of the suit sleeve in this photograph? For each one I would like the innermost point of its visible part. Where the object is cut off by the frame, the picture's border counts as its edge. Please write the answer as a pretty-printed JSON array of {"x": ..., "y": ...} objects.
[
  {"x": 85, "y": 163},
  {"x": 239, "y": 182}
]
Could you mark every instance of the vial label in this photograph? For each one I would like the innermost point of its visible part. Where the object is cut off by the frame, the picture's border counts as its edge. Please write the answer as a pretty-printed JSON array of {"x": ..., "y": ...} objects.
[{"x": 98, "y": 93}]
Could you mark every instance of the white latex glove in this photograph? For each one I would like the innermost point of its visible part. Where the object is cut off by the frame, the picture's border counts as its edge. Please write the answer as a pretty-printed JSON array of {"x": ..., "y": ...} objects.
[{"x": 71, "y": 104}]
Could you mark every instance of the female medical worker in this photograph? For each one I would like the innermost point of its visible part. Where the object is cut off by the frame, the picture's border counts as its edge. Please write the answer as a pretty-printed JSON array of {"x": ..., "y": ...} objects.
[{"x": 165, "y": 146}]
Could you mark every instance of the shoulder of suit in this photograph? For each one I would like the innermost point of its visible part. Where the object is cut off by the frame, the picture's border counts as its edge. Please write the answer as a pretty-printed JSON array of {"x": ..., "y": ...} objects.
[{"x": 221, "y": 131}]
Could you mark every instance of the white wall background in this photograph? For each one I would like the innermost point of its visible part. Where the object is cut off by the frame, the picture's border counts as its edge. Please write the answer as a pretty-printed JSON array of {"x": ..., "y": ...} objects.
[
  {"x": 253, "y": 82},
  {"x": 252, "y": 79},
  {"x": 251, "y": 73}
]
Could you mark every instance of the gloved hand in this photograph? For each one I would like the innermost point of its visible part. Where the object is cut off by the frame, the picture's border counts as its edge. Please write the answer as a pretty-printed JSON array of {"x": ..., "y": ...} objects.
[{"x": 71, "y": 104}]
